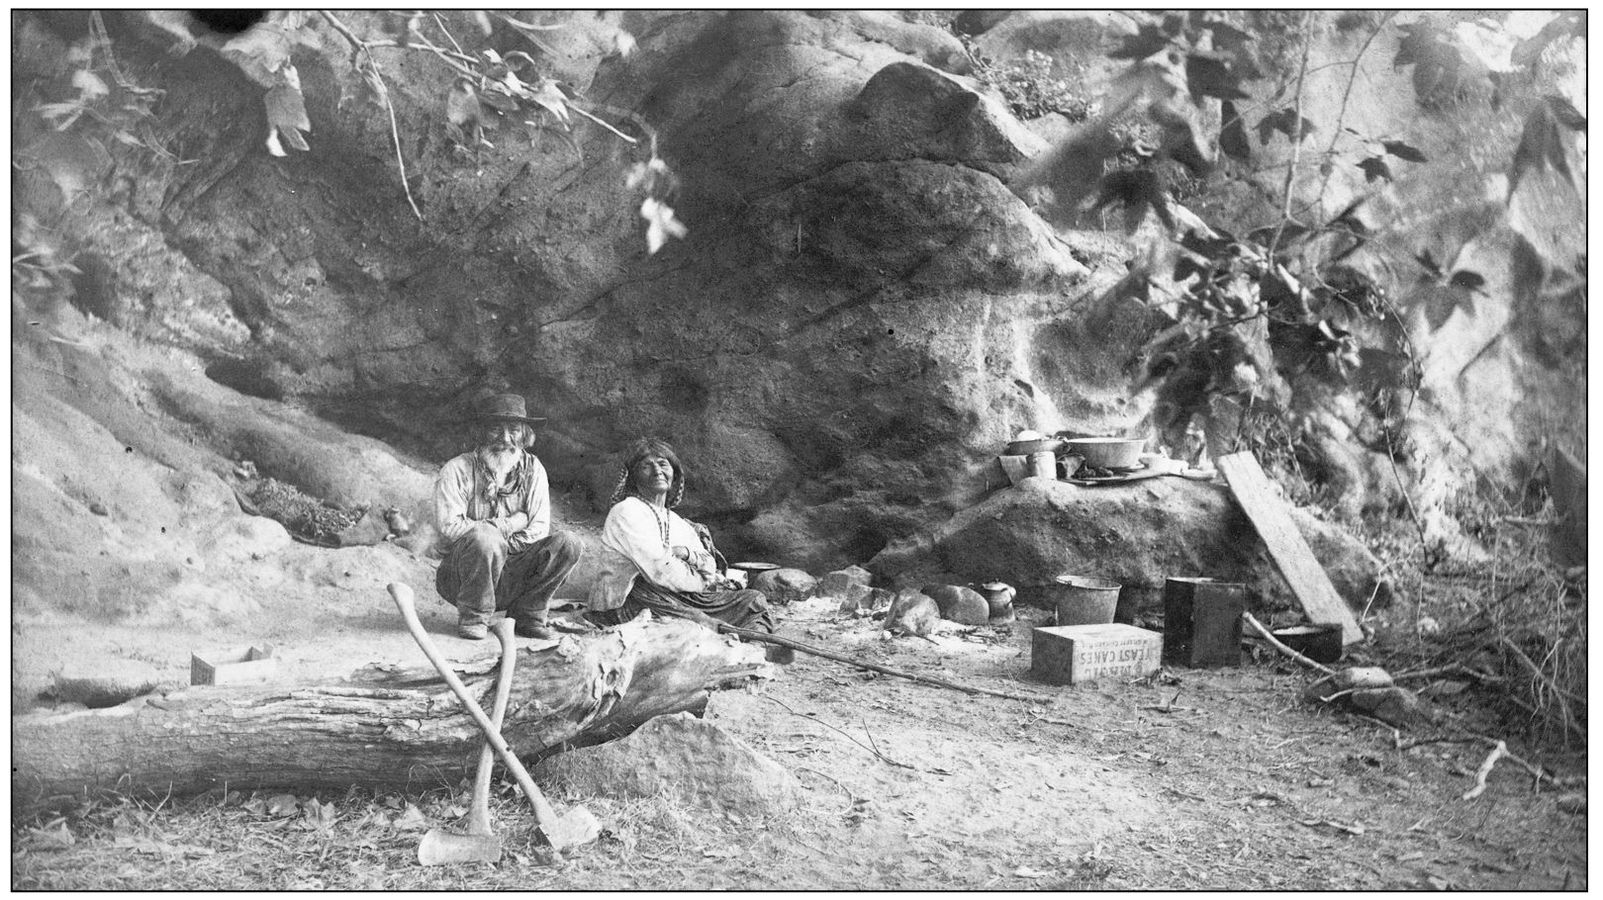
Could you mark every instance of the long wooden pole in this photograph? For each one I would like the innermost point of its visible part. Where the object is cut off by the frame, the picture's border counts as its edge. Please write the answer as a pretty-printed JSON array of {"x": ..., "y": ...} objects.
[{"x": 763, "y": 637}]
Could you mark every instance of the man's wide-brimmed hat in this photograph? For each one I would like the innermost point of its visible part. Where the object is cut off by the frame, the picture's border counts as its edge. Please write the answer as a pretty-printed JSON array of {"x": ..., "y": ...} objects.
[{"x": 502, "y": 408}]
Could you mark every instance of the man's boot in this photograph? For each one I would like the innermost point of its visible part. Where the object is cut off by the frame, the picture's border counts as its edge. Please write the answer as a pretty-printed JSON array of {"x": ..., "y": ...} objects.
[{"x": 532, "y": 625}]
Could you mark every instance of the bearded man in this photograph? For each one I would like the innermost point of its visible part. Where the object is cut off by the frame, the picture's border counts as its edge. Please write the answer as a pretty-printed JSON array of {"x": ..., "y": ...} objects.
[{"x": 493, "y": 509}]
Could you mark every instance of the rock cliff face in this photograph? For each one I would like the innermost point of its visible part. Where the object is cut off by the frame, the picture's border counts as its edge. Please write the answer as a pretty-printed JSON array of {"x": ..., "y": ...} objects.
[{"x": 861, "y": 313}]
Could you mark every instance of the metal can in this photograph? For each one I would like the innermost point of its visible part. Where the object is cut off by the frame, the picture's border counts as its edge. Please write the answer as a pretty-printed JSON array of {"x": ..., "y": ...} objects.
[{"x": 1044, "y": 464}]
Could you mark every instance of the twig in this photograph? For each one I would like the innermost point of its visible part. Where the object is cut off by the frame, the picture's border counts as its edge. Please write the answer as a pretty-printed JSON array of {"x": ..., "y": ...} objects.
[
  {"x": 603, "y": 123},
  {"x": 1287, "y": 651},
  {"x": 1438, "y": 739},
  {"x": 528, "y": 26},
  {"x": 1497, "y": 753},
  {"x": 869, "y": 734},
  {"x": 1296, "y": 150},
  {"x": 859, "y": 743},
  {"x": 448, "y": 36},
  {"x": 1538, "y": 673},
  {"x": 850, "y": 797},
  {"x": 445, "y": 57},
  {"x": 1570, "y": 725},
  {"x": 1341, "y": 114},
  {"x": 395, "y": 131},
  {"x": 1450, "y": 669},
  {"x": 1535, "y": 771}
]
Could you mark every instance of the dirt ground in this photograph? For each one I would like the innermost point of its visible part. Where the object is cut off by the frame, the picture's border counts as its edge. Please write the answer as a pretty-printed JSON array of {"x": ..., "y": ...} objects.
[{"x": 1189, "y": 779}]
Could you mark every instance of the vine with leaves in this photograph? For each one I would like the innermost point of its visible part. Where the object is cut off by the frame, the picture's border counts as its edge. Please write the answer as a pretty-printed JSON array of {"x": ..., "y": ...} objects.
[
  {"x": 1250, "y": 313},
  {"x": 488, "y": 89}
]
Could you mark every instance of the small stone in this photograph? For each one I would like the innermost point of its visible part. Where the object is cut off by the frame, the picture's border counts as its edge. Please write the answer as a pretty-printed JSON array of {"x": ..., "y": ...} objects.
[
  {"x": 840, "y": 582},
  {"x": 962, "y": 605},
  {"x": 912, "y": 612},
  {"x": 99, "y": 509},
  {"x": 858, "y": 597},
  {"x": 370, "y": 529},
  {"x": 1393, "y": 705},
  {"x": 784, "y": 585}
]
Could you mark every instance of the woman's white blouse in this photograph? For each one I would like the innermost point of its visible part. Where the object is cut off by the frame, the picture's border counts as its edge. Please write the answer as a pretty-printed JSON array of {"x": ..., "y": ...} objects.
[{"x": 634, "y": 529}]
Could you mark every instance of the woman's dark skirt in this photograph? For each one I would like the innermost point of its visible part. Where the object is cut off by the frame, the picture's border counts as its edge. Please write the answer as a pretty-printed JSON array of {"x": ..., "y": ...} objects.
[{"x": 746, "y": 609}]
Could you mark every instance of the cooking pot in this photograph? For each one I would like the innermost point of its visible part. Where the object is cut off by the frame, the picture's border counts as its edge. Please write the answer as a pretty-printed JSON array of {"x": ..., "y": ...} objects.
[
  {"x": 1107, "y": 452},
  {"x": 1027, "y": 447}
]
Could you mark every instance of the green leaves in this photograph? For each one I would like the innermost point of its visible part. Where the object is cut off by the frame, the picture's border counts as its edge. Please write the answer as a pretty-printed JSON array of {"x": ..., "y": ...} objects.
[
  {"x": 660, "y": 224},
  {"x": 1210, "y": 75},
  {"x": 1442, "y": 293},
  {"x": 1135, "y": 190},
  {"x": 1233, "y": 140},
  {"x": 1147, "y": 40},
  {"x": 1338, "y": 347},
  {"x": 1438, "y": 65},
  {"x": 1567, "y": 25},
  {"x": 261, "y": 52},
  {"x": 1375, "y": 168},
  {"x": 1546, "y": 143},
  {"x": 286, "y": 113},
  {"x": 659, "y": 184},
  {"x": 1403, "y": 151},
  {"x": 1287, "y": 122}
]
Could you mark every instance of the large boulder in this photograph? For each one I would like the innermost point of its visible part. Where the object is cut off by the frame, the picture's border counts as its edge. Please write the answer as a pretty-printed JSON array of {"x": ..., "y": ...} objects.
[
  {"x": 1137, "y": 534},
  {"x": 860, "y": 316},
  {"x": 861, "y": 312}
]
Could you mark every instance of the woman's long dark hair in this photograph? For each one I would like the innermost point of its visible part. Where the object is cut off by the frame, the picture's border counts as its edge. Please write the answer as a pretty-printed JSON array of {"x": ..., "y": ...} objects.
[{"x": 638, "y": 451}]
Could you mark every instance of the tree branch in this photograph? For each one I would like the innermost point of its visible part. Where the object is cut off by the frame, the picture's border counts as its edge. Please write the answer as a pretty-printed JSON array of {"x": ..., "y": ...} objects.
[
  {"x": 1283, "y": 649},
  {"x": 1296, "y": 146},
  {"x": 395, "y": 131},
  {"x": 1346, "y": 94}
]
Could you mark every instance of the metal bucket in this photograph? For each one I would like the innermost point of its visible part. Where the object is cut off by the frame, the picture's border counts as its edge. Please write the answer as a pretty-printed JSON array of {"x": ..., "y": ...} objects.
[{"x": 1082, "y": 600}]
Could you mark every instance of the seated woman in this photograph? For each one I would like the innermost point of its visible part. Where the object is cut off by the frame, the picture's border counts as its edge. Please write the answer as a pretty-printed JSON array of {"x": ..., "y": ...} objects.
[{"x": 673, "y": 568}]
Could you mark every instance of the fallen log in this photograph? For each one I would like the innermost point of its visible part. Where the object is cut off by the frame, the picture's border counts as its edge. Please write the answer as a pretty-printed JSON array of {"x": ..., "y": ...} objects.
[{"x": 373, "y": 728}]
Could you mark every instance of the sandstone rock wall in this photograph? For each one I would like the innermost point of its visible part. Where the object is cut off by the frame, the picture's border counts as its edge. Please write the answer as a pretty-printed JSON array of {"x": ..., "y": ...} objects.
[{"x": 859, "y": 317}]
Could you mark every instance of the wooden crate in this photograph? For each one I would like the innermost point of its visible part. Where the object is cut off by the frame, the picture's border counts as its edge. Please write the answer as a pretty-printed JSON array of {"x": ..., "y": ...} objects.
[
  {"x": 1072, "y": 654},
  {"x": 235, "y": 665},
  {"x": 1202, "y": 622}
]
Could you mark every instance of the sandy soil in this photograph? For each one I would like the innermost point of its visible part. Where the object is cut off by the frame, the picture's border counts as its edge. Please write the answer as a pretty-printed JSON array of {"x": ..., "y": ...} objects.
[{"x": 1188, "y": 779}]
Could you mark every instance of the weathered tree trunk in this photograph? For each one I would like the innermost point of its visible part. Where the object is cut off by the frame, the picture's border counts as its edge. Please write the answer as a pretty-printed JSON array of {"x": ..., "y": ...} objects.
[{"x": 392, "y": 730}]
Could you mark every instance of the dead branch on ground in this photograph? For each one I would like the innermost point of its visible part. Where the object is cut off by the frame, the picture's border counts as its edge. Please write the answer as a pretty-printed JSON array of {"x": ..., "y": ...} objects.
[
  {"x": 765, "y": 638},
  {"x": 1497, "y": 753},
  {"x": 1282, "y": 648}
]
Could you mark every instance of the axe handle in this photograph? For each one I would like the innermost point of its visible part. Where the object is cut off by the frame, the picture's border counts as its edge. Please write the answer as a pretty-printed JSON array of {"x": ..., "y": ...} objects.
[
  {"x": 544, "y": 815},
  {"x": 479, "y": 813}
]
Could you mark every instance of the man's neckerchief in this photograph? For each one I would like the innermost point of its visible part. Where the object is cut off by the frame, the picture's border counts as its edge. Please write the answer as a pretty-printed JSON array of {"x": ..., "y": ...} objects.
[{"x": 484, "y": 480}]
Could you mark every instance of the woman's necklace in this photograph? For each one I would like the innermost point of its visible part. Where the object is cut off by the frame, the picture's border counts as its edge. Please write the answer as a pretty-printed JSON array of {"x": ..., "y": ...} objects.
[{"x": 662, "y": 520}]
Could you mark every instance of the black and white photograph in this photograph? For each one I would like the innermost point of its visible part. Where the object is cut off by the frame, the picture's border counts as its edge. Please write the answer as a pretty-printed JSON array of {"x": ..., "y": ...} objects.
[{"x": 810, "y": 450}]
